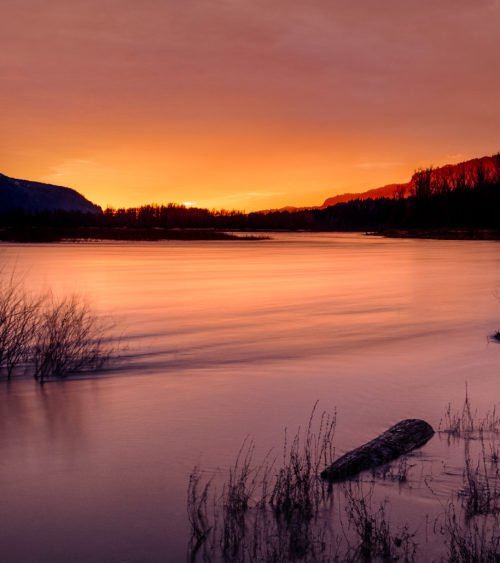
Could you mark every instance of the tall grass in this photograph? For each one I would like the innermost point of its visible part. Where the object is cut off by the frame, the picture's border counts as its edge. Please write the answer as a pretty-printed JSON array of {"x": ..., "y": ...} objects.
[
  {"x": 465, "y": 422},
  {"x": 481, "y": 490},
  {"x": 297, "y": 486},
  {"x": 457, "y": 423},
  {"x": 376, "y": 536},
  {"x": 197, "y": 510},
  {"x": 265, "y": 512},
  {"x": 396, "y": 471},
  {"x": 283, "y": 512},
  {"x": 476, "y": 542},
  {"x": 237, "y": 494}
]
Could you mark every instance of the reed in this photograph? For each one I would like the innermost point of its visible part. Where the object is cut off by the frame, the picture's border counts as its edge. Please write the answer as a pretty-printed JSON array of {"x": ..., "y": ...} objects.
[
  {"x": 197, "y": 508},
  {"x": 265, "y": 512},
  {"x": 476, "y": 542},
  {"x": 480, "y": 492},
  {"x": 467, "y": 422},
  {"x": 377, "y": 539},
  {"x": 397, "y": 471},
  {"x": 461, "y": 422},
  {"x": 283, "y": 512},
  {"x": 297, "y": 486}
]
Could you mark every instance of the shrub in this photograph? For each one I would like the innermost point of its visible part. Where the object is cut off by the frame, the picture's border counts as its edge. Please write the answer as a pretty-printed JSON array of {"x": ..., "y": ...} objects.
[
  {"x": 50, "y": 337},
  {"x": 69, "y": 338},
  {"x": 19, "y": 314}
]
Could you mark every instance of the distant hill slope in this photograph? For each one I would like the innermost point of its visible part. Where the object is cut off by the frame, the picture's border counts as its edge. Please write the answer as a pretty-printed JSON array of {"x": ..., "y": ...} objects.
[
  {"x": 35, "y": 196},
  {"x": 464, "y": 172},
  {"x": 385, "y": 191}
]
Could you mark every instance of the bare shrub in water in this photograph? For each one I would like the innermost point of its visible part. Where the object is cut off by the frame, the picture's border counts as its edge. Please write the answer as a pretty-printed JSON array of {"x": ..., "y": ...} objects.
[
  {"x": 69, "y": 338},
  {"x": 19, "y": 313},
  {"x": 49, "y": 336}
]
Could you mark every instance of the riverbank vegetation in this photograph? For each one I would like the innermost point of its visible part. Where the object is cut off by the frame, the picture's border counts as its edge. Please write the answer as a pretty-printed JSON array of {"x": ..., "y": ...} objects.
[{"x": 272, "y": 511}]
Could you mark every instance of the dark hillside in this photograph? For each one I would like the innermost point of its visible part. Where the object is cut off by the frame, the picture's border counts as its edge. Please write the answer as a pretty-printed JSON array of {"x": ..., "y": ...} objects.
[{"x": 35, "y": 196}]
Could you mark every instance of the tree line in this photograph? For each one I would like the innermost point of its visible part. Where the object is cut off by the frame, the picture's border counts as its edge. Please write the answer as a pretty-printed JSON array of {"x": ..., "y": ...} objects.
[{"x": 456, "y": 197}]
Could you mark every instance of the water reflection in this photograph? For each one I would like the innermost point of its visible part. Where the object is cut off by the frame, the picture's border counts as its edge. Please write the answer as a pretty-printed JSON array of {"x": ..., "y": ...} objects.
[{"x": 225, "y": 340}]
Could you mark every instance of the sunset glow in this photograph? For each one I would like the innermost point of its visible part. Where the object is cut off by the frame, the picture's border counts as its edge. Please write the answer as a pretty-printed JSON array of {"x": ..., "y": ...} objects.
[
  {"x": 245, "y": 105},
  {"x": 249, "y": 281}
]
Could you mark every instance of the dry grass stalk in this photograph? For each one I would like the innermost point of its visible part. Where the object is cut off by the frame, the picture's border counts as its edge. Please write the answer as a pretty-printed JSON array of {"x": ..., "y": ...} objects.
[
  {"x": 397, "y": 471},
  {"x": 373, "y": 528},
  {"x": 197, "y": 508},
  {"x": 477, "y": 542},
  {"x": 298, "y": 486},
  {"x": 481, "y": 491},
  {"x": 467, "y": 422},
  {"x": 264, "y": 515},
  {"x": 281, "y": 516}
]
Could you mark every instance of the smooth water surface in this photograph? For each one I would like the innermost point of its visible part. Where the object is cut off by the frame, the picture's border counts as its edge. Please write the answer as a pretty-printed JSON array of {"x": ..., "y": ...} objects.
[{"x": 224, "y": 340}]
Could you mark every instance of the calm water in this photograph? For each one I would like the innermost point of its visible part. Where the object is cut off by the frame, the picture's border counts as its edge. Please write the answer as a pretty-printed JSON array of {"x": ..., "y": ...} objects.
[{"x": 223, "y": 340}]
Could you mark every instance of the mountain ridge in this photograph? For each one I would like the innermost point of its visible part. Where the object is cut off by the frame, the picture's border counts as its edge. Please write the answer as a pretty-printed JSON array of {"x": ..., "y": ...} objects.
[
  {"x": 30, "y": 196},
  {"x": 489, "y": 164}
]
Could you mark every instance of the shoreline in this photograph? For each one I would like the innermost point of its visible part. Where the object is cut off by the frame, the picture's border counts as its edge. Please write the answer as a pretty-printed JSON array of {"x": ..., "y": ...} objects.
[
  {"x": 64, "y": 234},
  {"x": 153, "y": 234},
  {"x": 440, "y": 234}
]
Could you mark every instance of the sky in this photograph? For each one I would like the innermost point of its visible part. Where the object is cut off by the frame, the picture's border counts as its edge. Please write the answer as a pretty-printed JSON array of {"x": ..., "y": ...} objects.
[{"x": 244, "y": 104}]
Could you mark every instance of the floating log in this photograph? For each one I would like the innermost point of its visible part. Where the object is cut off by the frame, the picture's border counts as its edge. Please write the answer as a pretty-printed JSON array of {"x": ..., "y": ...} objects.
[{"x": 400, "y": 439}]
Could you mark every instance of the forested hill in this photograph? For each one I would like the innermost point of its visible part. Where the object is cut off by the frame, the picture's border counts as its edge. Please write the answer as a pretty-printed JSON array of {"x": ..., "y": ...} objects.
[
  {"x": 35, "y": 197},
  {"x": 467, "y": 169}
]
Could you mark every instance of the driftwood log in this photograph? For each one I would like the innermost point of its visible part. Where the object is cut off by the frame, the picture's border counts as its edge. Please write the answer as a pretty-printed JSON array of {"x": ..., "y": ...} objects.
[{"x": 400, "y": 439}]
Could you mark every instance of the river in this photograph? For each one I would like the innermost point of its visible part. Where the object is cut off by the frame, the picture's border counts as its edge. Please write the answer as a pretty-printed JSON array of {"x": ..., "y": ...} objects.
[{"x": 223, "y": 340}]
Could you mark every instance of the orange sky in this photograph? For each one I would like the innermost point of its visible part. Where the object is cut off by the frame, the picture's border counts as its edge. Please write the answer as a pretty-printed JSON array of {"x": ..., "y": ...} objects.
[{"x": 245, "y": 104}]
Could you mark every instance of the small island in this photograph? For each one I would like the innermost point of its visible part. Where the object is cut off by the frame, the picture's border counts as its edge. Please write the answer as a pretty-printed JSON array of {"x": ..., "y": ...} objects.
[{"x": 76, "y": 234}]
